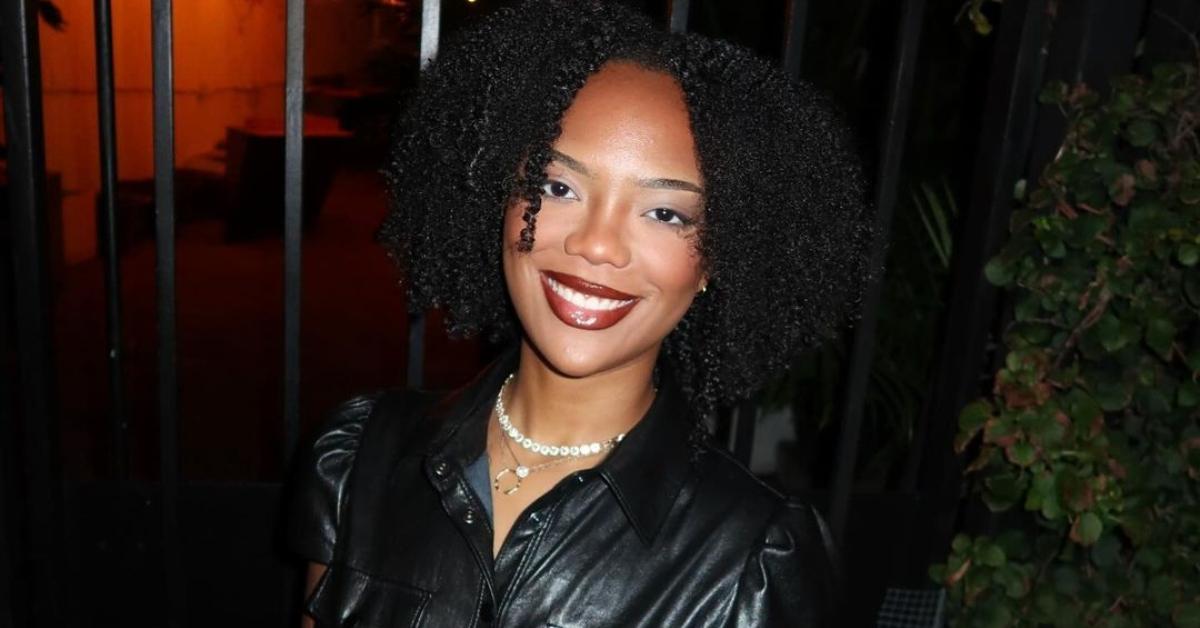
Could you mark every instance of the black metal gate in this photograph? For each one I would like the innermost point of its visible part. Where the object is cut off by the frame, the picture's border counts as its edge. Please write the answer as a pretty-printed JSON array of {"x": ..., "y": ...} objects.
[{"x": 67, "y": 552}]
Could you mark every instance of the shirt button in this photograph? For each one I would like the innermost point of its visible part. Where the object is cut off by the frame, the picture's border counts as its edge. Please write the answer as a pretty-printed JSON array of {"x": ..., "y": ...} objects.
[
  {"x": 469, "y": 517},
  {"x": 440, "y": 469}
]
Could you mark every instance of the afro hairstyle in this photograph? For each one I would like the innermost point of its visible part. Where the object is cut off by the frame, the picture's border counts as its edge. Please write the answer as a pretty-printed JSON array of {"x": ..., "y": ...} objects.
[{"x": 786, "y": 239}]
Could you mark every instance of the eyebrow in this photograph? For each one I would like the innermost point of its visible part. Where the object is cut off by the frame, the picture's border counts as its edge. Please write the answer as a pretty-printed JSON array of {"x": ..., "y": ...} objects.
[
  {"x": 670, "y": 184},
  {"x": 656, "y": 183},
  {"x": 570, "y": 162}
]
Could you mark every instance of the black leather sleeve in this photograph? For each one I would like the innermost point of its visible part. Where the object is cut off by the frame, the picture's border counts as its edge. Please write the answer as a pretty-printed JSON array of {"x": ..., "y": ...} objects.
[
  {"x": 319, "y": 481},
  {"x": 789, "y": 579}
]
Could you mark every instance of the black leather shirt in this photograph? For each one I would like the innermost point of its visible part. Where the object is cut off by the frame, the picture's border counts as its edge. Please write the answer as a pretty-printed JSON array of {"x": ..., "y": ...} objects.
[{"x": 652, "y": 536}]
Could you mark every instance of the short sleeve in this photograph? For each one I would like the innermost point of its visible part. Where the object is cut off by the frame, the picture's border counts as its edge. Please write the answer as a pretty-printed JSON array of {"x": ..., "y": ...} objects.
[
  {"x": 789, "y": 579},
  {"x": 319, "y": 481}
]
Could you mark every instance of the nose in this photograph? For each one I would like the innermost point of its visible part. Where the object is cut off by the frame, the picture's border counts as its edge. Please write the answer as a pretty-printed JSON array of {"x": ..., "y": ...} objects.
[{"x": 600, "y": 238}]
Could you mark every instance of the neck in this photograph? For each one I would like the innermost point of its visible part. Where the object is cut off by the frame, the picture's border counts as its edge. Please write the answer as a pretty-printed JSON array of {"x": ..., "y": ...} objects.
[{"x": 553, "y": 408}]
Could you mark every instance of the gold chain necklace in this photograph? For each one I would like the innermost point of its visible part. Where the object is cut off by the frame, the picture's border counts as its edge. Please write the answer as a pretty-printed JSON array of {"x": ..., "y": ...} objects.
[
  {"x": 520, "y": 472},
  {"x": 561, "y": 454}
]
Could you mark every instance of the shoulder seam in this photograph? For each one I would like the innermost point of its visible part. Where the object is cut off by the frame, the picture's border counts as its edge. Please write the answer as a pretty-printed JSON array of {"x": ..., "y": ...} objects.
[{"x": 729, "y": 458}]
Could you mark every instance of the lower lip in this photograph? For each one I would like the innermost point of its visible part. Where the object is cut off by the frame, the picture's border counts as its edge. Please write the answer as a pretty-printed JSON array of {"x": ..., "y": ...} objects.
[{"x": 583, "y": 318}]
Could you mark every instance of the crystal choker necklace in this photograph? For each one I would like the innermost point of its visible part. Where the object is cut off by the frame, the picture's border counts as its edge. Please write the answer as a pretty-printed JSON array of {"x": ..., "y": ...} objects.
[{"x": 555, "y": 451}]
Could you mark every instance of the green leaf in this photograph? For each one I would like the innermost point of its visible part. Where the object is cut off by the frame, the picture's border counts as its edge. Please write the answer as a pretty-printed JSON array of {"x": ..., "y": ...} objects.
[
  {"x": 1160, "y": 334},
  {"x": 1106, "y": 551},
  {"x": 1188, "y": 394},
  {"x": 1146, "y": 215},
  {"x": 1188, "y": 254},
  {"x": 1150, "y": 557},
  {"x": 1014, "y": 544},
  {"x": 992, "y": 556},
  {"x": 995, "y": 616},
  {"x": 1022, "y": 454},
  {"x": 1088, "y": 528},
  {"x": 1075, "y": 490},
  {"x": 1081, "y": 407},
  {"x": 1141, "y": 132},
  {"x": 1113, "y": 395},
  {"x": 960, "y": 543},
  {"x": 937, "y": 573},
  {"x": 1119, "y": 621},
  {"x": 1048, "y": 431},
  {"x": 1162, "y": 593},
  {"x": 1002, "y": 491},
  {"x": 1040, "y": 490},
  {"x": 974, "y": 415},
  {"x": 1054, "y": 93},
  {"x": 1012, "y": 580},
  {"x": 1046, "y": 601},
  {"x": 1108, "y": 328},
  {"x": 1066, "y": 581},
  {"x": 1187, "y": 615},
  {"x": 998, "y": 272}
]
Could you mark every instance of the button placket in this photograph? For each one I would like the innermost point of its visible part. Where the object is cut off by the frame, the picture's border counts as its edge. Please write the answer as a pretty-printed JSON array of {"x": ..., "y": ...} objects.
[{"x": 457, "y": 503}]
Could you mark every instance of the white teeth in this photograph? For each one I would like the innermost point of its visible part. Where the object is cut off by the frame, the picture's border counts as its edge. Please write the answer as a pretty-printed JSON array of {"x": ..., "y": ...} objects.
[{"x": 589, "y": 302}]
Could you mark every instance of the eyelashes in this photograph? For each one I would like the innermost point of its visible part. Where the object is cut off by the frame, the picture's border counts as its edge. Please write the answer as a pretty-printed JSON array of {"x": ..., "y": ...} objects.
[
  {"x": 557, "y": 190},
  {"x": 670, "y": 217}
]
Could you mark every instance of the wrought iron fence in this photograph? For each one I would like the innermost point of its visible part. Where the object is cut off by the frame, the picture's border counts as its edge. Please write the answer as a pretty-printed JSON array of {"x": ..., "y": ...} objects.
[{"x": 37, "y": 577}]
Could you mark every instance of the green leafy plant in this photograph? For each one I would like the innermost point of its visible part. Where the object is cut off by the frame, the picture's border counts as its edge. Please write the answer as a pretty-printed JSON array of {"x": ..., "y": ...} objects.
[
  {"x": 937, "y": 210},
  {"x": 918, "y": 264},
  {"x": 1090, "y": 441}
]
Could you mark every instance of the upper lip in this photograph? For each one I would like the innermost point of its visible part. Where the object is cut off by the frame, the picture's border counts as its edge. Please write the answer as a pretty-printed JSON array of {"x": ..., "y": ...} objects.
[{"x": 580, "y": 284}]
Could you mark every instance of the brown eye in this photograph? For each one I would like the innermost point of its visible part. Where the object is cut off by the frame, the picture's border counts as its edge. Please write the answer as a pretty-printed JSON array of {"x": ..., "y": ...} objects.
[
  {"x": 669, "y": 216},
  {"x": 558, "y": 189}
]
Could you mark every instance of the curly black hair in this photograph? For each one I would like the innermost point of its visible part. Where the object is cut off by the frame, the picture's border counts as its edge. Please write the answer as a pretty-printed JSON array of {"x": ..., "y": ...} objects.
[{"x": 787, "y": 235}]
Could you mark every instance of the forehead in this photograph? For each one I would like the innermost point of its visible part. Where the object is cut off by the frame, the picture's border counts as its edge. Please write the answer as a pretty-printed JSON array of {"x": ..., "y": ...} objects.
[{"x": 625, "y": 111}]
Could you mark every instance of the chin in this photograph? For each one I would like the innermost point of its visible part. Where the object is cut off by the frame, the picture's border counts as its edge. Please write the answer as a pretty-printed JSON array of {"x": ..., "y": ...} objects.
[{"x": 581, "y": 359}]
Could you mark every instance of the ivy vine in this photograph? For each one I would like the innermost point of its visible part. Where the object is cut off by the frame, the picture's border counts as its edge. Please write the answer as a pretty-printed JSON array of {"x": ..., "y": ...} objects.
[{"x": 1090, "y": 440}]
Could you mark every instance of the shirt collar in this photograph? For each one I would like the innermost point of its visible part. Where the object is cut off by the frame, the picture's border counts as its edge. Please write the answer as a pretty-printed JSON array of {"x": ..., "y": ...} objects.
[{"x": 645, "y": 472}]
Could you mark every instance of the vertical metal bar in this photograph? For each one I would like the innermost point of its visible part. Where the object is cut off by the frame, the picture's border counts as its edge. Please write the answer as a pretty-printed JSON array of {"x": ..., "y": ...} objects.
[
  {"x": 293, "y": 188},
  {"x": 743, "y": 431},
  {"x": 10, "y": 508},
  {"x": 431, "y": 26},
  {"x": 108, "y": 194},
  {"x": 793, "y": 44},
  {"x": 416, "y": 350},
  {"x": 1093, "y": 42},
  {"x": 1016, "y": 77},
  {"x": 908, "y": 41},
  {"x": 7, "y": 610},
  {"x": 678, "y": 15},
  {"x": 19, "y": 54},
  {"x": 168, "y": 392}
]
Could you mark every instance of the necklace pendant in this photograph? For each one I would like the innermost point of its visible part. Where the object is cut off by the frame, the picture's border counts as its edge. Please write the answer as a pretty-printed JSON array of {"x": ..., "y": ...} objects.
[
  {"x": 522, "y": 471},
  {"x": 498, "y": 482}
]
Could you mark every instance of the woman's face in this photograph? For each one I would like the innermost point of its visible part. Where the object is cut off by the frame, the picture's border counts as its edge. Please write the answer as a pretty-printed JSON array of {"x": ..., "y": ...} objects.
[{"x": 613, "y": 266}]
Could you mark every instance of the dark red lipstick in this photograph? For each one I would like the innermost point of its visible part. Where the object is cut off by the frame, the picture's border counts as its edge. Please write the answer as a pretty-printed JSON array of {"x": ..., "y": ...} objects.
[{"x": 584, "y": 304}]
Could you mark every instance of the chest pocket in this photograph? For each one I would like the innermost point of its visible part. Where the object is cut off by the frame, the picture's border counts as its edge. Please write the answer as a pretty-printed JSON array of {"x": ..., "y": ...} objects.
[{"x": 348, "y": 598}]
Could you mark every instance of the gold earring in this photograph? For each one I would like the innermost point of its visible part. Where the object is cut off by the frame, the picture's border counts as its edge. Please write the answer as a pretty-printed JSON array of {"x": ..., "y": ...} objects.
[{"x": 703, "y": 288}]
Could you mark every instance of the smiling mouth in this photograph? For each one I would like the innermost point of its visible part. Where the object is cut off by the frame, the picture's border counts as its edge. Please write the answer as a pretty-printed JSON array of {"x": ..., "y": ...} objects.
[{"x": 583, "y": 304}]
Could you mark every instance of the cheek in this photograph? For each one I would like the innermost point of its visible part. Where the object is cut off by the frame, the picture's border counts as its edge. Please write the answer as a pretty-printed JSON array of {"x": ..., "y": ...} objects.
[{"x": 674, "y": 264}]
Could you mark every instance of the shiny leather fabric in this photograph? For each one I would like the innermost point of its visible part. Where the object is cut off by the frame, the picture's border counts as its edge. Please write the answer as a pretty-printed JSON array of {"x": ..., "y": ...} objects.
[{"x": 655, "y": 535}]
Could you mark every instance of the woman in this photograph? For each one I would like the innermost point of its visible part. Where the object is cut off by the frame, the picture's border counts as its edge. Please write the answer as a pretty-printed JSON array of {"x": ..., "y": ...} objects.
[{"x": 657, "y": 223}]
